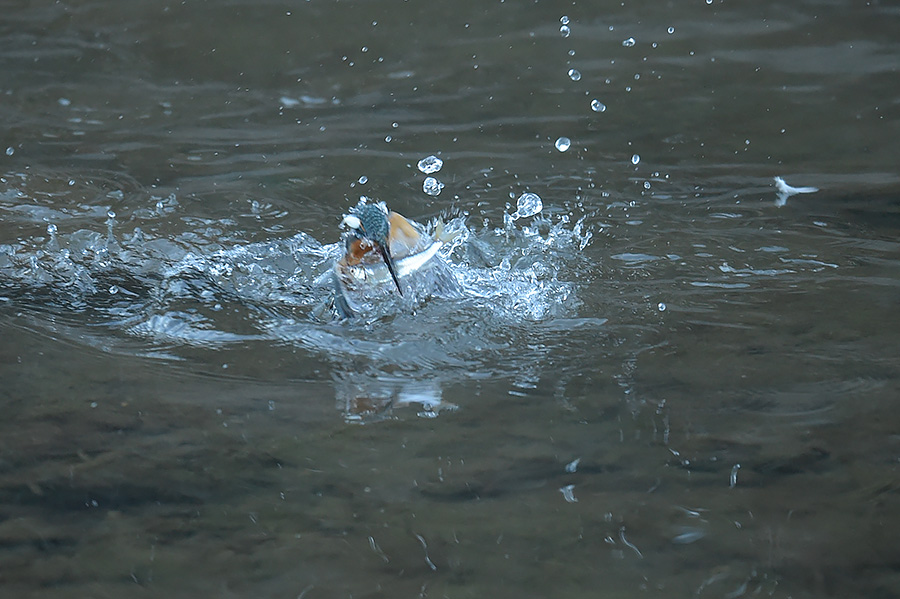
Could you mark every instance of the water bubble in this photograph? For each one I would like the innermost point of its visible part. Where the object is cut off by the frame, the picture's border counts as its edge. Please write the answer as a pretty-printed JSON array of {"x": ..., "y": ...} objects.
[
  {"x": 10, "y": 151},
  {"x": 565, "y": 31},
  {"x": 563, "y": 143},
  {"x": 661, "y": 306},
  {"x": 51, "y": 229},
  {"x": 629, "y": 42},
  {"x": 431, "y": 164},
  {"x": 671, "y": 30},
  {"x": 528, "y": 204},
  {"x": 564, "y": 19},
  {"x": 598, "y": 106},
  {"x": 363, "y": 180},
  {"x": 432, "y": 186},
  {"x": 574, "y": 74},
  {"x": 635, "y": 159}
]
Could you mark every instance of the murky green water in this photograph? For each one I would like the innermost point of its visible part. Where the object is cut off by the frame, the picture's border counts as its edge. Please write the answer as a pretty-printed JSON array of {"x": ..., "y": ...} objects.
[{"x": 662, "y": 384}]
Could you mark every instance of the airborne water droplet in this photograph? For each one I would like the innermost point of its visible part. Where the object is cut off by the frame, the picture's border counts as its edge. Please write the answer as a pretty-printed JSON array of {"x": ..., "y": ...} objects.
[
  {"x": 528, "y": 204},
  {"x": 10, "y": 151},
  {"x": 598, "y": 106},
  {"x": 563, "y": 143},
  {"x": 431, "y": 164},
  {"x": 565, "y": 31},
  {"x": 635, "y": 159},
  {"x": 432, "y": 186},
  {"x": 629, "y": 42},
  {"x": 574, "y": 75}
]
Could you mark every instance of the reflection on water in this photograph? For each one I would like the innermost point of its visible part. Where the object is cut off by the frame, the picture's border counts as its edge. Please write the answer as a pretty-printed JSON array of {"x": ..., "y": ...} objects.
[{"x": 653, "y": 380}]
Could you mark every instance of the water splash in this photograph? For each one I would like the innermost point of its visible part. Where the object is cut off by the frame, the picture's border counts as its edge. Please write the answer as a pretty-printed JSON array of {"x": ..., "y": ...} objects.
[{"x": 97, "y": 277}]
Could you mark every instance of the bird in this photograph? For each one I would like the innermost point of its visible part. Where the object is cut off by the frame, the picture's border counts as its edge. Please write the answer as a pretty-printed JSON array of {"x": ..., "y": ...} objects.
[
  {"x": 374, "y": 236},
  {"x": 373, "y": 227}
]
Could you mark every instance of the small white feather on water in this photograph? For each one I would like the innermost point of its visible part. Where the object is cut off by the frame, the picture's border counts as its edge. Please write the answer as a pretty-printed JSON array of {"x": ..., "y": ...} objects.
[{"x": 785, "y": 191}]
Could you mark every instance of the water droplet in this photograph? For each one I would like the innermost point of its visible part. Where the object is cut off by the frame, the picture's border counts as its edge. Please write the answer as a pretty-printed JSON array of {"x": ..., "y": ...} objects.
[
  {"x": 574, "y": 74},
  {"x": 431, "y": 164},
  {"x": 114, "y": 290},
  {"x": 661, "y": 306},
  {"x": 64, "y": 101},
  {"x": 629, "y": 42},
  {"x": 598, "y": 106},
  {"x": 569, "y": 493},
  {"x": 110, "y": 214},
  {"x": 388, "y": 138},
  {"x": 635, "y": 159},
  {"x": 528, "y": 204},
  {"x": 51, "y": 229},
  {"x": 363, "y": 180},
  {"x": 671, "y": 30},
  {"x": 709, "y": 1},
  {"x": 646, "y": 184},
  {"x": 432, "y": 186},
  {"x": 71, "y": 182},
  {"x": 564, "y": 19},
  {"x": 565, "y": 31},
  {"x": 734, "y": 470},
  {"x": 10, "y": 151},
  {"x": 395, "y": 125},
  {"x": 563, "y": 143}
]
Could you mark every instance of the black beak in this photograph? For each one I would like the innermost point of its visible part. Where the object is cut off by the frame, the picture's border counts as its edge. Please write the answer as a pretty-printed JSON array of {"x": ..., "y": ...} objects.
[{"x": 386, "y": 254}]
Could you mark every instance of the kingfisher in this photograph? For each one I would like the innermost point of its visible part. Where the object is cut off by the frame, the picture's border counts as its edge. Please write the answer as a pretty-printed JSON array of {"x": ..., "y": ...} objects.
[{"x": 378, "y": 240}]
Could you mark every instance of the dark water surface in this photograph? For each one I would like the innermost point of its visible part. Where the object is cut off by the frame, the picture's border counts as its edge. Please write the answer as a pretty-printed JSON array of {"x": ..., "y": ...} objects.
[{"x": 663, "y": 384}]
